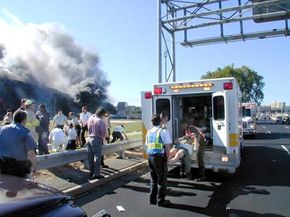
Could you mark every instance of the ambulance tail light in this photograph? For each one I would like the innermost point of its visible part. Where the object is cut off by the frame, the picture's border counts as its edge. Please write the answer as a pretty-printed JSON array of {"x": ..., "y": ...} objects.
[
  {"x": 158, "y": 90},
  {"x": 228, "y": 86},
  {"x": 148, "y": 95}
]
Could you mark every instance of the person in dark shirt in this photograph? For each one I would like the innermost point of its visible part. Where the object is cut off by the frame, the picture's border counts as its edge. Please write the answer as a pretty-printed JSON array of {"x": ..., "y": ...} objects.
[{"x": 43, "y": 129}]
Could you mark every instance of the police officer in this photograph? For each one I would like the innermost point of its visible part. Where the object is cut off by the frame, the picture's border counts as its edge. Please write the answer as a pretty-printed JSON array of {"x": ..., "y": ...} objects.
[
  {"x": 17, "y": 147},
  {"x": 158, "y": 143}
]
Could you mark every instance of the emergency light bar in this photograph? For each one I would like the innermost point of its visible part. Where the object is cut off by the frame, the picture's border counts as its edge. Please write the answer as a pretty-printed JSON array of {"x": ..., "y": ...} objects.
[{"x": 199, "y": 85}]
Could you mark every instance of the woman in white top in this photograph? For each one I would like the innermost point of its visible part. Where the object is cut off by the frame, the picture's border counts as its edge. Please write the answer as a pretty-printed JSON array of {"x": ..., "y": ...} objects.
[{"x": 72, "y": 136}]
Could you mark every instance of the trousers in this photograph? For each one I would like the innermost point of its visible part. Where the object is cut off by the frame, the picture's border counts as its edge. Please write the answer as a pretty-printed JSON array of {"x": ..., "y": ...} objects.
[
  {"x": 94, "y": 146},
  {"x": 11, "y": 166},
  {"x": 158, "y": 171}
]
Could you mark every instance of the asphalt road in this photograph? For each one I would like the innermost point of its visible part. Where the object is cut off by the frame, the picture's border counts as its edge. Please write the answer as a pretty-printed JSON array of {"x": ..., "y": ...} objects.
[{"x": 261, "y": 186}]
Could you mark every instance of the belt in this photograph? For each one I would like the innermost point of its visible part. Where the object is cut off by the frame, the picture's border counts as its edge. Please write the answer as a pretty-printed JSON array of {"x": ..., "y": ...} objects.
[
  {"x": 156, "y": 155},
  {"x": 95, "y": 137}
]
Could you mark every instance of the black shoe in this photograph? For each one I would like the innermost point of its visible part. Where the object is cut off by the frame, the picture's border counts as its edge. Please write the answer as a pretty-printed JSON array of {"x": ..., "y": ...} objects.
[
  {"x": 201, "y": 179},
  {"x": 153, "y": 202},
  {"x": 96, "y": 177},
  {"x": 105, "y": 166},
  {"x": 164, "y": 203}
]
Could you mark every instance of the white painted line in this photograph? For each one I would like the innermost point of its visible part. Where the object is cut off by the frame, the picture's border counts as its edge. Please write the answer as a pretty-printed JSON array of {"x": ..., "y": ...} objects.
[
  {"x": 286, "y": 127},
  {"x": 264, "y": 127},
  {"x": 269, "y": 132},
  {"x": 284, "y": 147}
]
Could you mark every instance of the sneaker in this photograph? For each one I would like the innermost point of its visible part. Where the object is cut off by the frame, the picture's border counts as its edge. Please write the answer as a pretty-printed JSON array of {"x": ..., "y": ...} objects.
[{"x": 164, "y": 203}]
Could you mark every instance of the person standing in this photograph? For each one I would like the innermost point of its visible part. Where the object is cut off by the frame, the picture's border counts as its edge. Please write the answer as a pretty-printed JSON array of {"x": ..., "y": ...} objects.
[
  {"x": 59, "y": 120},
  {"x": 31, "y": 122},
  {"x": 97, "y": 133},
  {"x": 84, "y": 117},
  {"x": 75, "y": 121},
  {"x": 43, "y": 129},
  {"x": 158, "y": 141},
  {"x": 71, "y": 136},
  {"x": 8, "y": 118},
  {"x": 17, "y": 148},
  {"x": 106, "y": 120}
]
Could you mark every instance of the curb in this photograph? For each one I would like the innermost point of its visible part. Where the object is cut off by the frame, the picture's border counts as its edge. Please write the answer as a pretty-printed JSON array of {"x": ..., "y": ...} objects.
[{"x": 80, "y": 189}]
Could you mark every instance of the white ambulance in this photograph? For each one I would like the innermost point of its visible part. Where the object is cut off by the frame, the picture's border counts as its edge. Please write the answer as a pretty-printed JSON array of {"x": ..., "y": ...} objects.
[
  {"x": 214, "y": 101},
  {"x": 249, "y": 111}
]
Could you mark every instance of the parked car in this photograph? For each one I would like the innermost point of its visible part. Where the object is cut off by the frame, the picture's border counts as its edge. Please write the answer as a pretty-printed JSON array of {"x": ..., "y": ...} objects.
[
  {"x": 286, "y": 120},
  {"x": 23, "y": 197},
  {"x": 279, "y": 120}
]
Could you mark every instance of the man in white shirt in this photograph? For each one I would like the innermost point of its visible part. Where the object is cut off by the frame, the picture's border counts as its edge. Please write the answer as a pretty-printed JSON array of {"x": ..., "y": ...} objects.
[
  {"x": 57, "y": 139},
  {"x": 60, "y": 119},
  {"x": 84, "y": 117},
  {"x": 119, "y": 133}
]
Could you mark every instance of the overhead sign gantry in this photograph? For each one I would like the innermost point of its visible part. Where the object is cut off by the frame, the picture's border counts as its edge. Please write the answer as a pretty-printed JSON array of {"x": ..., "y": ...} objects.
[{"x": 204, "y": 22}]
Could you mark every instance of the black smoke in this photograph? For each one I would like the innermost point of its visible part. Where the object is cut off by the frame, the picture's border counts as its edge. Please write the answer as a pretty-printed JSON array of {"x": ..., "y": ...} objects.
[{"x": 48, "y": 59}]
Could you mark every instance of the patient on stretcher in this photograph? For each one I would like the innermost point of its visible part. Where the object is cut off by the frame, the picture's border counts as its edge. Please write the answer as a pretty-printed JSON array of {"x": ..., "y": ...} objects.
[{"x": 182, "y": 150}]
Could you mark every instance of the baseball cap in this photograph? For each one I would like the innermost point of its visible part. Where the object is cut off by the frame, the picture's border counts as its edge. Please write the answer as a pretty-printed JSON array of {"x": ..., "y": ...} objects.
[{"x": 29, "y": 102}]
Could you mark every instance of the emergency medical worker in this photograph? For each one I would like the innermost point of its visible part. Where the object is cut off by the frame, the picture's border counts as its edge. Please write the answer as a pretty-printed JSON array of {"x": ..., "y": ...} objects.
[
  {"x": 31, "y": 122},
  {"x": 158, "y": 141}
]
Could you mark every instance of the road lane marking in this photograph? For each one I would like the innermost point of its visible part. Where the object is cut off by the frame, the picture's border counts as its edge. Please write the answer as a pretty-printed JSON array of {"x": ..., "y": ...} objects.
[
  {"x": 264, "y": 127},
  {"x": 286, "y": 127},
  {"x": 269, "y": 132},
  {"x": 286, "y": 149}
]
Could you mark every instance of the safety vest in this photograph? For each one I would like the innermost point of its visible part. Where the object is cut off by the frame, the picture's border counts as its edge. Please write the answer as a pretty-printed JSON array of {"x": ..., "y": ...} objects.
[{"x": 154, "y": 143}]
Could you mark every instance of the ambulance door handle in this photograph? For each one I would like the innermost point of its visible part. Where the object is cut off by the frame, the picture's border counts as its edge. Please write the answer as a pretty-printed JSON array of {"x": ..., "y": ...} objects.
[{"x": 220, "y": 125}]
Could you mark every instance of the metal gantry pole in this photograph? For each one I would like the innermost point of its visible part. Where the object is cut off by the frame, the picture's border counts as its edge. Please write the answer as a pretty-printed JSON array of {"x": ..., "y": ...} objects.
[{"x": 159, "y": 42}]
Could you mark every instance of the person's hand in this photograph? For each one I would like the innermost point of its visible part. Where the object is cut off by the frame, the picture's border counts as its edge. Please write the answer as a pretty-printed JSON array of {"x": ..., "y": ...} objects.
[{"x": 35, "y": 174}]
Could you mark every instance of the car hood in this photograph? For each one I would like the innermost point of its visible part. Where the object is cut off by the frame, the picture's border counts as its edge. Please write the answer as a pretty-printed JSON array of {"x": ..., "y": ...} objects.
[{"x": 19, "y": 195}]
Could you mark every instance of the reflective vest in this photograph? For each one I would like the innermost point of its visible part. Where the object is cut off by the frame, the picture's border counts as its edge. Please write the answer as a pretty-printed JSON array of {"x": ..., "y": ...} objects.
[{"x": 154, "y": 143}]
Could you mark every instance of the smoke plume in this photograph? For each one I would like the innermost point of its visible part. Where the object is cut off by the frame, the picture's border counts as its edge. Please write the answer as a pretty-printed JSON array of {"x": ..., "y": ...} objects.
[{"x": 46, "y": 55}]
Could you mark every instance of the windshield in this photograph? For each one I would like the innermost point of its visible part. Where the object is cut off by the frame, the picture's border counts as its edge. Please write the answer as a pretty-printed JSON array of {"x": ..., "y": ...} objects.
[{"x": 246, "y": 112}]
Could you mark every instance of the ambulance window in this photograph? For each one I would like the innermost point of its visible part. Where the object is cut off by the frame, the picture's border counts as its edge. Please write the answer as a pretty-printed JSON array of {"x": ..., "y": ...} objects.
[
  {"x": 163, "y": 105},
  {"x": 219, "y": 108}
]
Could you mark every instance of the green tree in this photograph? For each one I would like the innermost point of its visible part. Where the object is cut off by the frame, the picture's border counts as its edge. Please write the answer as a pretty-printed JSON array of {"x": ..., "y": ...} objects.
[{"x": 251, "y": 83}]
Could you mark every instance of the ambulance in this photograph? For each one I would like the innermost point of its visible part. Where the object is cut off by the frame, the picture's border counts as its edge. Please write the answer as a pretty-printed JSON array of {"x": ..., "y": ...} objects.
[
  {"x": 216, "y": 103},
  {"x": 249, "y": 111}
]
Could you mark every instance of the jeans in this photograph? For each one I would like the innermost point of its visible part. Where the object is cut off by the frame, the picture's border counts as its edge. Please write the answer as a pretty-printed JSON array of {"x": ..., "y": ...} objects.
[
  {"x": 94, "y": 155},
  {"x": 158, "y": 171}
]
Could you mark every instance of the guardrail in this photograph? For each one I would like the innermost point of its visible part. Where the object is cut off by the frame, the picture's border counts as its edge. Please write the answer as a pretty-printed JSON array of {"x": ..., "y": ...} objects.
[{"x": 66, "y": 157}]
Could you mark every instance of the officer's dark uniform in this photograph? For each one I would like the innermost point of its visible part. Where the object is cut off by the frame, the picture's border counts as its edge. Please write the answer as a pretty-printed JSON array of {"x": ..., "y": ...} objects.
[{"x": 158, "y": 166}]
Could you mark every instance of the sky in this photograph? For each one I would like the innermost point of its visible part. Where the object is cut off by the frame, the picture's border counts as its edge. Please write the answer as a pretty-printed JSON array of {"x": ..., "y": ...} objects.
[{"x": 124, "y": 36}]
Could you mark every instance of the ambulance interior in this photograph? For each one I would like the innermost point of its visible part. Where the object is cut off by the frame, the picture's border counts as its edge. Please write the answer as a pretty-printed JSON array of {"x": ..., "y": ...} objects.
[{"x": 195, "y": 110}]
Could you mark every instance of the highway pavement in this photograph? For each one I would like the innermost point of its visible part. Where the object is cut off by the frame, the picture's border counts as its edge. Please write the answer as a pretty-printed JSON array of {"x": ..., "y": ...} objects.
[{"x": 261, "y": 186}]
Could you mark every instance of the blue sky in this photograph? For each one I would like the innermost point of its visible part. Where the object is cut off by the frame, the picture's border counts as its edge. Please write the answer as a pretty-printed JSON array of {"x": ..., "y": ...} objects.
[{"x": 124, "y": 34}]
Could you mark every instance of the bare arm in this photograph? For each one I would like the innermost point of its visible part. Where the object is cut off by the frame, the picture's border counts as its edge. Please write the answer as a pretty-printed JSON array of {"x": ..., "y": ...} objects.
[
  {"x": 32, "y": 157},
  {"x": 167, "y": 150}
]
